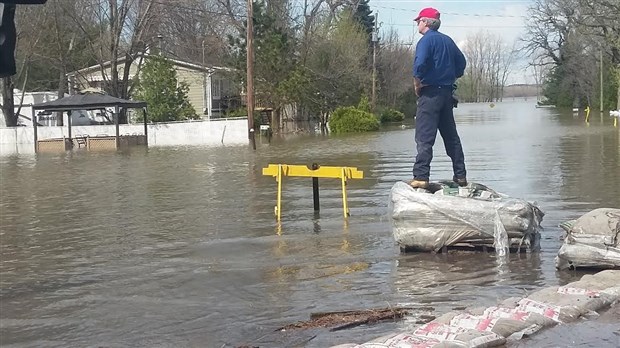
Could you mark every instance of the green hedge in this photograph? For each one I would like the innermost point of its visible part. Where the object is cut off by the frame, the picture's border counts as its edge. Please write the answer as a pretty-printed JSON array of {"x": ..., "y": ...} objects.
[
  {"x": 351, "y": 119},
  {"x": 391, "y": 115}
]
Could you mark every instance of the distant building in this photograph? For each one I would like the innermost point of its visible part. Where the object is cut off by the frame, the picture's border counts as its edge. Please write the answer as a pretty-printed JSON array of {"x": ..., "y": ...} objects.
[
  {"x": 22, "y": 102},
  {"x": 211, "y": 90}
]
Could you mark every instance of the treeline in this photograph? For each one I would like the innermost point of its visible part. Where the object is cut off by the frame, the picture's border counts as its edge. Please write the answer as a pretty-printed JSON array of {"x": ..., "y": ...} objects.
[
  {"x": 571, "y": 43},
  {"x": 316, "y": 57},
  {"x": 489, "y": 63}
]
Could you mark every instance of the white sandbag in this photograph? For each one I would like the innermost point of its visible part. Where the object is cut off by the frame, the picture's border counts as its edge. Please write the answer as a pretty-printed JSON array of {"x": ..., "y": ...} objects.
[
  {"x": 533, "y": 321},
  {"x": 400, "y": 340},
  {"x": 591, "y": 241},
  {"x": 460, "y": 216},
  {"x": 570, "y": 303},
  {"x": 502, "y": 321},
  {"x": 602, "y": 281},
  {"x": 449, "y": 334},
  {"x": 437, "y": 335}
]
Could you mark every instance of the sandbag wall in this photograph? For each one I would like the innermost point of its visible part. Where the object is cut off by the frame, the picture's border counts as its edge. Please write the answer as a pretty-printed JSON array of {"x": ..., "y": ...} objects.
[{"x": 511, "y": 320}]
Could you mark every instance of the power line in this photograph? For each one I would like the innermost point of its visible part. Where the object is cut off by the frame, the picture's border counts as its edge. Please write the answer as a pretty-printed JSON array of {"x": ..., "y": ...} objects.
[
  {"x": 452, "y": 13},
  {"x": 461, "y": 26},
  {"x": 465, "y": 2}
]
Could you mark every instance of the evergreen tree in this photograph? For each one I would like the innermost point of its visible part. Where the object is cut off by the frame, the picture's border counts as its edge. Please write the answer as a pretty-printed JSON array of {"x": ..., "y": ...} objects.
[
  {"x": 274, "y": 54},
  {"x": 166, "y": 97},
  {"x": 362, "y": 14}
]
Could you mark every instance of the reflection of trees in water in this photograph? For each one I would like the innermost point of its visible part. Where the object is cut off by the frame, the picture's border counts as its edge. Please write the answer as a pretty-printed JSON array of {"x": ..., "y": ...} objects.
[{"x": 589, "y": 160}]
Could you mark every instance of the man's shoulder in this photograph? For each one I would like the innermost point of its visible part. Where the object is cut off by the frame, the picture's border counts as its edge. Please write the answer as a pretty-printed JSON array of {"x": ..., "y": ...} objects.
[
  {"x": 443, "y": 36},
  {"x": 437, "y": 36}
]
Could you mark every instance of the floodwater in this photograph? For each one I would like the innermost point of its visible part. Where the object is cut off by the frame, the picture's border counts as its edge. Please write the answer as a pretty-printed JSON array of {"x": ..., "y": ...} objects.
[{"x": 178, "y": 247}]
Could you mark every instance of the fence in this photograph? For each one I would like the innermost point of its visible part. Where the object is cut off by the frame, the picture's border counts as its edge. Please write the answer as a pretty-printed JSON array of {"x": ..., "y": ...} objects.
[{"x": 201, "y": 133}]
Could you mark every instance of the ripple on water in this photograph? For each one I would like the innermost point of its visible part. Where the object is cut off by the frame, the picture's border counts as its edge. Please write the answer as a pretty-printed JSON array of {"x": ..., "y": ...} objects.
[{"x": 178, "y": 246}]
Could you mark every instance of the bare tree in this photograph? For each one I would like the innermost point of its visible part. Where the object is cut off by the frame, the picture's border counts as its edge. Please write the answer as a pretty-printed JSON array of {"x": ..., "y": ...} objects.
[
  {"x": 507, "y": 60},
  {"x": 125, "y": 29},
  {"x": 335, "y": 72},
  {"x": 489, "y": 62},
  {"x": 570, "y": 33},
  {"x": 394, "y": 64},
  {"x": 541, "y": 69},
  {"x": 198, "y": 30}
]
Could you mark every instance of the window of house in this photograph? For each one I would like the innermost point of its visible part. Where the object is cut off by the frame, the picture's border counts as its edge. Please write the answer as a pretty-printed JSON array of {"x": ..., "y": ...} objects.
[{"x": 216, "y": 88}]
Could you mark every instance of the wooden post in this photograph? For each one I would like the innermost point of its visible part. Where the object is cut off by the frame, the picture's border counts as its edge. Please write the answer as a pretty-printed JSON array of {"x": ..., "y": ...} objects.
[
  {"x": 602, "y": 105},
  {"x": 250, "y": 73},
  {"x": 69, "y": 125},
  {"x": 35, "y": 129},
  {"x": 146, "y": 132},
  {"x": 116, "y": 114}
]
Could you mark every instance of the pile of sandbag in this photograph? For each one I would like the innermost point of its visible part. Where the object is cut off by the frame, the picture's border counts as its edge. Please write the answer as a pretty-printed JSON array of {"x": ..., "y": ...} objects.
[
  {"x": 511, "y": 320},
  {"x": 591, "y": 241},
  {"x": 446, "y": 215}
]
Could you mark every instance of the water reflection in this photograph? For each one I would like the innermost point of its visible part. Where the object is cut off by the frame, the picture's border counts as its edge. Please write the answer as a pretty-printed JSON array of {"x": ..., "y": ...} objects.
[{"x": 179, "y": 246}]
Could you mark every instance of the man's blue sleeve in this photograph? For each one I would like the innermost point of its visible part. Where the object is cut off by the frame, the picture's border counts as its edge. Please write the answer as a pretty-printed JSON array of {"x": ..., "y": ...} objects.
[
  {"x": 420, "y": 63},
  {"x": 459, "y": 62}
]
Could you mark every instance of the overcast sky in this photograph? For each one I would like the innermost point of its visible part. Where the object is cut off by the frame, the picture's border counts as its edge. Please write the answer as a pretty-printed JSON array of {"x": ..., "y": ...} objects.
[{"x": 459, "y": 18}]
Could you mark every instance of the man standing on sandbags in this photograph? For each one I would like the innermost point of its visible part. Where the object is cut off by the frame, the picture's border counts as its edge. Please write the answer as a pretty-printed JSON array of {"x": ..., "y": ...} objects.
[{"x": 438, "y": 63}]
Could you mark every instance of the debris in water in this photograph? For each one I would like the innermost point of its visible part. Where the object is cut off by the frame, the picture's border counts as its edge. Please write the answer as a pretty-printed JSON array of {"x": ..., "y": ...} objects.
[{"x": 347, "y": 319}]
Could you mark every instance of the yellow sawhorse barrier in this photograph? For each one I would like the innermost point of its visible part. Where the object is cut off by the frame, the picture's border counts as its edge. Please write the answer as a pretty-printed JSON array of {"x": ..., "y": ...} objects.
[{"x": 343, "y": 173}]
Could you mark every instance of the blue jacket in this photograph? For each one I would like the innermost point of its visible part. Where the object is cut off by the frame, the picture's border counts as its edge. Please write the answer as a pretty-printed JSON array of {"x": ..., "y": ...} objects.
[{"x": 438, "y": 61}]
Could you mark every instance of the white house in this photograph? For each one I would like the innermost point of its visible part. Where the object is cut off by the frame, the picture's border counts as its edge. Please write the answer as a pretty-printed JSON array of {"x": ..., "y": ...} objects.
[{"x": 211, "y": 90}]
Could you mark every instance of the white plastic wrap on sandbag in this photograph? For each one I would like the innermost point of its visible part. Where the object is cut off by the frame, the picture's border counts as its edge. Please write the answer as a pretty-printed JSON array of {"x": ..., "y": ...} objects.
[
  {"x": 428, "y": 222},
  {"x": 593, "y": 241}
]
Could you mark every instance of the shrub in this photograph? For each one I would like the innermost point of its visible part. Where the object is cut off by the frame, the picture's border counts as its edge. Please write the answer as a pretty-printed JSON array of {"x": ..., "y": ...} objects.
[
  {"x": 351, "y": 119},
  {"x": 240, "y": 112},
  {"x": 364, "y": 104},
  {"x": 391, "y": 115}
]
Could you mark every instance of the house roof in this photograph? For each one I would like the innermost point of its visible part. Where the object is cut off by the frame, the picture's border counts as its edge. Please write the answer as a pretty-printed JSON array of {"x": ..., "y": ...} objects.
[
  {"x": 87, "y": 102},
  {"x": 176, "y": 62}
]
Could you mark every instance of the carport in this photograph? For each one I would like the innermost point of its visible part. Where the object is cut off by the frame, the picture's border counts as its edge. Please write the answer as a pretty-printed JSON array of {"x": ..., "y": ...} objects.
[{"x": 90, "y": 101}]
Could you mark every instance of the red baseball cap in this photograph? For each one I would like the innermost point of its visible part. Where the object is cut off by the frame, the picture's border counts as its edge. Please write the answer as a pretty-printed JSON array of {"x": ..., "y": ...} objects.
[{"x": 428, "y": 12}]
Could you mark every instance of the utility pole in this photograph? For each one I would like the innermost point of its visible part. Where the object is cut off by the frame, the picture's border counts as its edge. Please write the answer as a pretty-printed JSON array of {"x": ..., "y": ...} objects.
[
  {"x": 250, "y": 71},
  {"x": 602, "y": 81},
  {"x": 205, "y": 107},
  {"x": 160, "y": 39},
  {"x": 374, "y": 39}
]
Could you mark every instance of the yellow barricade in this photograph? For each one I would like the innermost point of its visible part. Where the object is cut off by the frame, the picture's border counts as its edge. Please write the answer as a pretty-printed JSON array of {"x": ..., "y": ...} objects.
[{"x": 343, "y": 173}]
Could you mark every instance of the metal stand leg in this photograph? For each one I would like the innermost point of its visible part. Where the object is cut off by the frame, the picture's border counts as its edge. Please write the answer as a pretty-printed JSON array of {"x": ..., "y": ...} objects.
[
  {"x": 279, "y": 204},
  {"x": 344, "y": 194}
]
